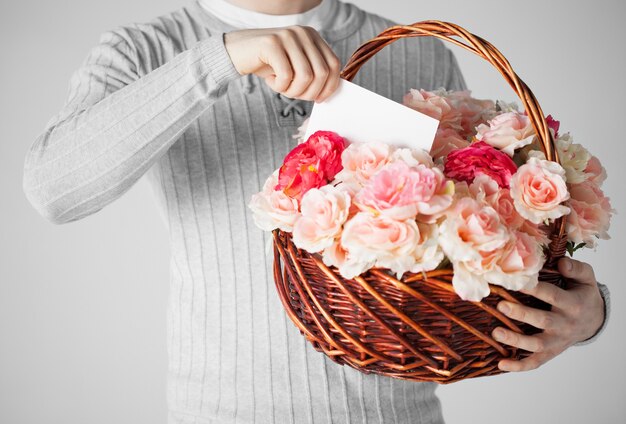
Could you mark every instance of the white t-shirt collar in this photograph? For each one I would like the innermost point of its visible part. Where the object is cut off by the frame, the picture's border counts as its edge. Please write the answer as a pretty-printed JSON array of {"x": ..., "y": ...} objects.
[{"x": 238, "y": 17}]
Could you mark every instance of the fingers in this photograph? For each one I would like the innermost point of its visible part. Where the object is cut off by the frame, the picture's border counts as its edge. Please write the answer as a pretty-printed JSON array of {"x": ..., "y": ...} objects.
[
  {"x": 544, "y": 320},
  {"x": 529, "y": 363},
  {"x": 280, "y": 75},
  {"x": 301, "y": 64},
  {"x": 334, "y": 69},
  {"x": 551, "y": 294},
  {"x": 581, "y": 272},
  {"x": 533, "y": 343}
]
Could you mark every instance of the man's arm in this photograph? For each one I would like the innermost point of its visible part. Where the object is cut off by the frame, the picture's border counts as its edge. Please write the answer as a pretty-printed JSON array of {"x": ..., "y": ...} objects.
[{"x": 116, "y": 123}]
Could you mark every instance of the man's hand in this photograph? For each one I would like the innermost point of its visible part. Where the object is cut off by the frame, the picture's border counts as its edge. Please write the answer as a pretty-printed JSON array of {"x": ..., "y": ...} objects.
[
  {"x": 294, "y": 61},
  {"x": 577, "y": 314}
]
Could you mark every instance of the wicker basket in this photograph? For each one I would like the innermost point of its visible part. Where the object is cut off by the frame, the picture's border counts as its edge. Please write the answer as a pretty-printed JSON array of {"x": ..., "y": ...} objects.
[{"x": 416, "y": 328}]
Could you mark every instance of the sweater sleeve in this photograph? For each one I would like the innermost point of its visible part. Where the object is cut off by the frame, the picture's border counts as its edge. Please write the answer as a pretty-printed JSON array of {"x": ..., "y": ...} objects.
[
  {"x": 116, "y": 123},
  {"x": 606, "y": 297}
]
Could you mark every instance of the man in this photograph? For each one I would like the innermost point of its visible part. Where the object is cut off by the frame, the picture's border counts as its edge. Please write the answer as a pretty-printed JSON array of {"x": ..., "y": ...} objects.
[{"x": 206, "y": 110}]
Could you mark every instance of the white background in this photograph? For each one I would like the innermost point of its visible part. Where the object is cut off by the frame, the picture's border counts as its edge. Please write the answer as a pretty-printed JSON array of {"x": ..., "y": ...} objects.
[{"x": 82, "y": 306}]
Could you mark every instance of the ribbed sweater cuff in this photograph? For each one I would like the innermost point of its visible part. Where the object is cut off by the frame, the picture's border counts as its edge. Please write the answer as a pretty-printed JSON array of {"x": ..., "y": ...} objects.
[
  {"x": 215, "y": 57},
  {"x": 606, "y": 297}
]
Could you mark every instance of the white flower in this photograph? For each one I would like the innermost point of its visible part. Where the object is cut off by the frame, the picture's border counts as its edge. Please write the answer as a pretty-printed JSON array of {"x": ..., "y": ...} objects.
[{"x": 273, "y": 209}]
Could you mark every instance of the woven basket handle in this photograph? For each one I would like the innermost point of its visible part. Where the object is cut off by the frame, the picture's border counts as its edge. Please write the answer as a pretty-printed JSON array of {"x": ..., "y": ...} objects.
[
  {"x": 484, "y": 49},
  {"x": 471, "y": 42}
]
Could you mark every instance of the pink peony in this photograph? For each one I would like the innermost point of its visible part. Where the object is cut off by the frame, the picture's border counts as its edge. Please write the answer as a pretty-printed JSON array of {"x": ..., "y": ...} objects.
[
  {"x": 324, "y": 211},
  {"x": 446, "y": 140},
  {"x": 362, "y": 160},
  {"x": 436, "y": 105},
  {"x": 311, "y": 164},
  {"x": 479, "y": 158},
  {"x": 507, "y": 132},
  {"x": 273, "y": 209},
  {"x": 401, "y": 192},
  {"x": 590, "y": 214},
  {"x": 538, "y": 189}
]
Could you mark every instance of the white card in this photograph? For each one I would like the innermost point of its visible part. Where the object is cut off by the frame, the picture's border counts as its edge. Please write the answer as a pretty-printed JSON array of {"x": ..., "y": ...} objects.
[{"x": 360, "y": 115}]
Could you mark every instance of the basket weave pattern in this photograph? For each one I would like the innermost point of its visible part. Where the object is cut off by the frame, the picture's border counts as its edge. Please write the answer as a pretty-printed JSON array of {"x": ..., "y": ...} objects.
[{"x": 416, "y": 328}]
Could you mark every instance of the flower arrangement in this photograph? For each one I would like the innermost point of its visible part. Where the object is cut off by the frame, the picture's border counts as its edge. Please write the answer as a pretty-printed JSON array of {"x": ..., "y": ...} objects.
[{"x": 481, "y": 201}]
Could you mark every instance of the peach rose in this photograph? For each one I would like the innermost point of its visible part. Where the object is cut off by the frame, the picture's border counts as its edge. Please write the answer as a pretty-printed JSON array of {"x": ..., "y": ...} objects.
[
  {"x": 362, "y": 160},
  {"x": 473, "y": 111},
  {"x": 381, "y": 241},
  {"x": 446, "y": 140},
  {"x": 470, "y": 231},
  {"x": 590, "y": 215},
  {"x": 519, "y": 263},
  {"x": 538, "y": 189},
  {"x": 401, "y": 192},
  {"x": 436, "y": 105},
  {"x": 273, "y": 209},
  {"x": 324, "y": 211},
  {"x": 468, "y": 284},
  {"x": 412, "y": 157},
  {"x": 507, "y": 132},
  {"x": 336, "y": 255},
  {"x": 427, "y": 254}
]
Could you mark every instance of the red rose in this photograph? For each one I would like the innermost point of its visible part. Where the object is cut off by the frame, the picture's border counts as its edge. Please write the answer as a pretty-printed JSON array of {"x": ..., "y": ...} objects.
[
  {"x": 479, "y": 158},
  {"x": 311, "y": 164}
]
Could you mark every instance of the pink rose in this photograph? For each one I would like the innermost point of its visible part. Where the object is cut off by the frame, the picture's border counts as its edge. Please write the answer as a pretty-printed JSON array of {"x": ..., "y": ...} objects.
[
  {"x": 435, "y": 105},
  {"x": 486, "y": 189},
  {"x": 273, "y": 209},
  {"x": 507, "y": 132},
  {"x": 401, "y": 192},
  {"x": 446, "y": 140},
  {"x": 479, "y": 158},
  {"x": 538, "y": 189},
  {"x": 519, "y": 263},
  {"x": 324, "y": 211},
  {"x": 473, "y": 111},
  {"x": 595, "y": 171},
  {"x": 590, "y": 215},
  {"x": 362, "y": 160},
  {"x": 311, "y": 164}
]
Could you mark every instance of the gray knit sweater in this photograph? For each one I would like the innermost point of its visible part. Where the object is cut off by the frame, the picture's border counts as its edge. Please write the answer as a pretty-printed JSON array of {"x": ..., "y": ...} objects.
[{"x": 162, "y": 99}]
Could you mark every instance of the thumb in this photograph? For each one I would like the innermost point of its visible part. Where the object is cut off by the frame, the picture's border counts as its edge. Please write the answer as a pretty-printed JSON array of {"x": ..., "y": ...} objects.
[{"x": 578, "y": 271}]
